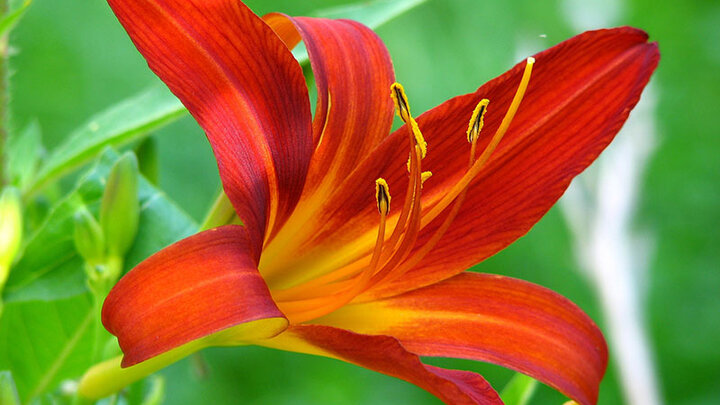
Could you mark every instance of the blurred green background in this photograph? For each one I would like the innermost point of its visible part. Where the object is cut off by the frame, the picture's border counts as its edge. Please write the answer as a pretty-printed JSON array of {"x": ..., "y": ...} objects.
[{"x": 73, "y": 59}]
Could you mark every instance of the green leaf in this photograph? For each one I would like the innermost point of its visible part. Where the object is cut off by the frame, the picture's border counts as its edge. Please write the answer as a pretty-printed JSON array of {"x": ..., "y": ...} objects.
[
  {"x": 127, "y": 121},
  {"x": 50, "y": 267},
  {"x": 10, "y": 19},
  {"x": 519, "y": 390},
  {"x": 23, "y": 156},
  {"x": 147, "y": 155},
  {"x": 48, "y": 320},
  {"x": 44, "y": 343},
  {"x": 371, "y": 13}
]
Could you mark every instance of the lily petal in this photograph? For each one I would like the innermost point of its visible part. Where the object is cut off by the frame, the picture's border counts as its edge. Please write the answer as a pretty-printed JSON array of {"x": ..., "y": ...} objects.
[
  {"x": 580, "y": 94},
  {"x": 194, "y": 288},
  {"x": 353, "y": 72},
  {"x": 385, "y": 355},
  {"x": 243, "y": 86},
  {"x": 354, "y": 112},
  {"x": 492, "y": 318}
]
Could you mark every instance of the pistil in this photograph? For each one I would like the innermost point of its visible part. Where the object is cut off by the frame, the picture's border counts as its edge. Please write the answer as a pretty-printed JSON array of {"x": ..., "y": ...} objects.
[{"x": 464, "y": 182}]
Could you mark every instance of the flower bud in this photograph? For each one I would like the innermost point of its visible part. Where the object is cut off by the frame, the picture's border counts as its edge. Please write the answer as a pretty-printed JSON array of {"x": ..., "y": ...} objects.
[
  {"x": 120, "y": 211},
  {"x": 10, "y": 230},
  {"x": 89, "y": 239}
]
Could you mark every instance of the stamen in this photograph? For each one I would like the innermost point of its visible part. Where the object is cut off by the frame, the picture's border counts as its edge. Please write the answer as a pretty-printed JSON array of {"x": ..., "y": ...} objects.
[
  {"x": 400, "y": 252},
  {"x": 402, "y": 107},
  {"x": 464, "y": 182},
  {"x": 430, "y": 244},
  {"x": 410, "y": 198},
  {"x": 305, "y": 310},
  {"x": 477, "y": 121},
  {"x": 418, "y": 136},
  {"x": 382, "y": 196},
  {"x": 425, "y": 176}
]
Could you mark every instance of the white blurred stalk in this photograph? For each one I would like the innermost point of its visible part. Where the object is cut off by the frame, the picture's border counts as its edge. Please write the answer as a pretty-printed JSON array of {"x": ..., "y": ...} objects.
[{"x": 599, "y": 208}]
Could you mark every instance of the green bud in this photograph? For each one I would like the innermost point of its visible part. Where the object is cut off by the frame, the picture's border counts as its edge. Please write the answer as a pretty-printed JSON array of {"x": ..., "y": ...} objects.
[
  {"x": 10, "y": 230},
  {"x": 120, "y": 211},
  {"x": 89, "y": 239}
]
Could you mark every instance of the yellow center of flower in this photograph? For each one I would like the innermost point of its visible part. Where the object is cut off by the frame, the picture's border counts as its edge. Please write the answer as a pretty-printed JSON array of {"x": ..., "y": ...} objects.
[{"x": 393, "y": 255}]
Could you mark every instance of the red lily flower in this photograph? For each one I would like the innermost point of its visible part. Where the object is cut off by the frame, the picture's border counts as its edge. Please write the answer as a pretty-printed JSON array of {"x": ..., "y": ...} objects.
[{"x": 326, "y": 265}]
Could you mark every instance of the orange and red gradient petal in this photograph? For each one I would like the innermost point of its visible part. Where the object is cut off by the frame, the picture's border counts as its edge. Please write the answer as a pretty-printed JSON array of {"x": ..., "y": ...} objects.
[
  {"x": 245, "y": 89},
  {"x": 386, "y": 355},
  {"x": 580, "y": 95},
  {"x": 201, "y": 285},
  {"x": 353, "y": 73},
  {"x": 492, "y": 318}
]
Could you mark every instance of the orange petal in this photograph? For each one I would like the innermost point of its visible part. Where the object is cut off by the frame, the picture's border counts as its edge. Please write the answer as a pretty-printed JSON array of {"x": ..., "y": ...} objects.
[
  {"x": 354, "y": 112},
  {"x": 385, "y": 355},
  {"x": 353, "y": 72},
  {"x": 580, "y": 94},
  {"x": 194, "y": 288},
  {"x": 244, "y": 88},
  {"x": 496, "y": 319}
]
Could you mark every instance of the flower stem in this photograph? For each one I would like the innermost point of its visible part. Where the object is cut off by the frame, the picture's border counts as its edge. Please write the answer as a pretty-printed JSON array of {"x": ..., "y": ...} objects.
[
  {"x": 109, "y": 377},
  {"x": 113, "y": 266}
]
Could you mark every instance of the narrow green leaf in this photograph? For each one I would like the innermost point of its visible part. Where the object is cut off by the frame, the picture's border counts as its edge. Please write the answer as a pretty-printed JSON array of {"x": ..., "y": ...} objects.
[
  {"x": 371, "y": 13},
  {"x": 50, "y": 267},
  {"x": 44, "y": 343},
  {"x": 519, "y": 390},
  {"x": 127, "y": 121},
  {"x": 24, "y": 149},
  {"x": 10, "y": 19}
]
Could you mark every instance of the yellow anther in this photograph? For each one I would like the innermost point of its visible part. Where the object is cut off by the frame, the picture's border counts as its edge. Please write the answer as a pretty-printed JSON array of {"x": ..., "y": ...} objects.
[
  {"x": 477, "y": 121},
  {"x": 419, "y": 138},
  {"x": 425, "y": 176},
  {"x": 402, "y": 107},
  {"x": 382, "y": 196}
]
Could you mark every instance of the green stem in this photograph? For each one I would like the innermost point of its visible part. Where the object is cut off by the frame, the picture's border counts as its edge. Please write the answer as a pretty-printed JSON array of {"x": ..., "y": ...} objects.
[
  {"x": 113, "y": 267},
  {"x": 109, "y": 377}
]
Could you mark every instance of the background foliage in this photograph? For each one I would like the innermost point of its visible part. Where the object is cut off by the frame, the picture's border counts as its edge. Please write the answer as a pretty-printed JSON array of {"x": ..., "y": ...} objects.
[{"x": 73, "y": 60}]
